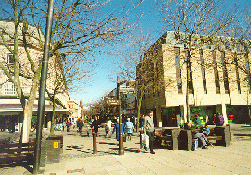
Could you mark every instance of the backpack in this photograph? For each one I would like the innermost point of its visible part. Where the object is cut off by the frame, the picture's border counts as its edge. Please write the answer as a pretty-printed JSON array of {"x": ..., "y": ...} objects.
[{"x": 219, "y": 119}]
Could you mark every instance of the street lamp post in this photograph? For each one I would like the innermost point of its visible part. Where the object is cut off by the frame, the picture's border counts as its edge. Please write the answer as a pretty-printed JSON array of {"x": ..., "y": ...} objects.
[
  {"x": 121, "y": 149},
  {"x": 41, "y": 102}
]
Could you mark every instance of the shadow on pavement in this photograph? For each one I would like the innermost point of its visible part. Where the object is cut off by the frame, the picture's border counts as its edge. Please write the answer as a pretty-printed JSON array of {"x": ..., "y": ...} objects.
[
  {"x": 249, "y": 135},
  {"x": 14, "y": 164},
  {"x": 242, "y": 136}
]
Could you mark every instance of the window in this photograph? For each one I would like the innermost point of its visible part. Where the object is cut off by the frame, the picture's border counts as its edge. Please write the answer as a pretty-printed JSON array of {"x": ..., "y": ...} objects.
[
  {"x": 189, "y": 73},
  {"x": 225, "y": 74},
  {"x": 9, "y": 88},
  {"x": 237, "y": 72},
  {"x": 10, "y": 58},
  {"x": 216, "y": 75},
  {"x": 178, "y": 70},
  {"x": 248, "y": 70},
  {"x": 203, "y": 71}
]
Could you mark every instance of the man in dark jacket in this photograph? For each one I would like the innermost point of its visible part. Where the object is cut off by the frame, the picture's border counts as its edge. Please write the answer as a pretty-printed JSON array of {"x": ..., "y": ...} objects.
[
  {"x": 80, "y": 125},
  {"x": 95, "y": 124}
]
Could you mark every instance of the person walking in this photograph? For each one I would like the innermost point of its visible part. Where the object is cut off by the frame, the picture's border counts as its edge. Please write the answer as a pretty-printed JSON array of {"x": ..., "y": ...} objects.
[
  {"x": 129, "y": 128},
  {"x": 107, "y": 129},
  {"x": 94, "y": 125},
  {"x": 141, "y": 122},
  {"x": 88, "y": 130},
  {"x": 80, "y": 125},
  {"x": 68, "y": 125},
  {"x": 116, "y": 128},
  {"x": 149, "y": 127}
]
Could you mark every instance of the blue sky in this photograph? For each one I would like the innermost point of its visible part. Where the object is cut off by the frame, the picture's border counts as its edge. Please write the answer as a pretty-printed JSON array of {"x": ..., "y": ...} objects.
[{"x": 105, "y": 74}]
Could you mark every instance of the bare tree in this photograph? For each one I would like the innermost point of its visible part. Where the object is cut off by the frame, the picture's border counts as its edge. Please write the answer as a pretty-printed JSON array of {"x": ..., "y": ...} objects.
[
  {"x": 135, "y": 63},
  {"x": 239, "y": 44},
  {"x": 195, "y": 23},
  {"x": 78, "y": 31}
]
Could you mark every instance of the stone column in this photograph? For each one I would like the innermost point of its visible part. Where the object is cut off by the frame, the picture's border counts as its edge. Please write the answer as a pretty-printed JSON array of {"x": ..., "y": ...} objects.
[
  {"x": 185, "y": 113},
  {"x": 158, "y": 115},
  {"x": 49, "y": 116},
  {"x": 224, "y": 113}
]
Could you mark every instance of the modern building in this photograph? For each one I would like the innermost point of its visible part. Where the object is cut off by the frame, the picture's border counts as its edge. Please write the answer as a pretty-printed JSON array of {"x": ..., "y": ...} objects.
[
  {"x": 219, "y": 79},
  {"x": 128, "y": 100},
  {"x": 75, "y": 111},
  {"x": 11, "y": 111}
]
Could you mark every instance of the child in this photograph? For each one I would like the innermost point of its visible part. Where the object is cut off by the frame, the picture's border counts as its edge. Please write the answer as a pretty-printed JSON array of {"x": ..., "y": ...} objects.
[
  {"x": 88, "y": 130},
  {"x": 107, "y": 129}
]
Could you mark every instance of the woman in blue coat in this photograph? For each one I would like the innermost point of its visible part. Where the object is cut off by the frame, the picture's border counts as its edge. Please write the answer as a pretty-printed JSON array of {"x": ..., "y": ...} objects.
[
  {"x": 129, "y": 128},
  {"x": 116, "y": 128}
]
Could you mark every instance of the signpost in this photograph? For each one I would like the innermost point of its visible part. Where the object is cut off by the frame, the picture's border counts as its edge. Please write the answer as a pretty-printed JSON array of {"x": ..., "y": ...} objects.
[
  {"x": 114, "y": 102},
  {"x": 117, "y": 102},
  {"x": 121, "y": 149}
]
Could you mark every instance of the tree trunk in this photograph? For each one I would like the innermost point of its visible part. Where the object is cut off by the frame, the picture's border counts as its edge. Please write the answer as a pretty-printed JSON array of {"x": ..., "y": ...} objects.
[
  {"x": 187, "y": 90},
  {"x": 139, "y": 108},
  {"x": 27, "y": 122},
  {"x": 53, "y": 116},
  {"x": 28, "y": 109}
]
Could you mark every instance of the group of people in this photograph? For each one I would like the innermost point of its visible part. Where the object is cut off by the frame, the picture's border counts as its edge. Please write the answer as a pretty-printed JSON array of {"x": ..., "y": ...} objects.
[
  {"x": 146, "y": 124},
  {"x": 126, "y": 128},
  {"x": 202, "y": 136},
  {"x": 147, "y": 127}
]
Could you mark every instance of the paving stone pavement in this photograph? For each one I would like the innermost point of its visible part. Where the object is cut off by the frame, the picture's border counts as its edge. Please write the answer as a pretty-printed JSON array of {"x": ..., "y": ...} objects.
[{"x": 78, "y": 158}]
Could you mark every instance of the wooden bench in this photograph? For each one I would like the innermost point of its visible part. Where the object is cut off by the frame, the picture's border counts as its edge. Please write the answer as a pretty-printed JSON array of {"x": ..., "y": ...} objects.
[
  {"x": 15, "y": 153},
  {"x": 221, "y": 134},
  {"x": 167, "y": 137},
  {"x": 5, "y": 140}
]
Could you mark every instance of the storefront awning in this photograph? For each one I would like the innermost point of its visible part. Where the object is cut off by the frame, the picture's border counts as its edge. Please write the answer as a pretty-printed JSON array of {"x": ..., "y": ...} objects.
[{"x": 15, "y": 109}]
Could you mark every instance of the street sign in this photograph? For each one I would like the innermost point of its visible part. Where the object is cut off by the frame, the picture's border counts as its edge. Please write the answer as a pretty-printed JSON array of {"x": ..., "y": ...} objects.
[{"x": 113, "y": 102}]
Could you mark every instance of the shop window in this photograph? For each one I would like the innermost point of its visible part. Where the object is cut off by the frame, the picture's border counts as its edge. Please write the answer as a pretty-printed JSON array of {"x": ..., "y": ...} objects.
[
  {"x": 189, "y": 72},
  {"x": 225, "y": 74},
  {"x": 178, "y": 70},
  {"x": 237, "y": 73},
  {"x": 248, "y": 71},
  {"x": 203, "y": 72}
]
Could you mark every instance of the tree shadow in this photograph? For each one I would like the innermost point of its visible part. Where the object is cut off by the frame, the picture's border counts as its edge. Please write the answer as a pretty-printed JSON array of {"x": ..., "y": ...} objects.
[
  {"x": 26, "y": 165},
  {"x": 247, "y": 135}
]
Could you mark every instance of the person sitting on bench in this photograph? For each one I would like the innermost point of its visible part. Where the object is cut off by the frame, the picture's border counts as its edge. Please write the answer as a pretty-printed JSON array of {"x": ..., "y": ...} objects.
[
  {"x": 205, "y": 130},
  {"x": 202, "y": 138}
]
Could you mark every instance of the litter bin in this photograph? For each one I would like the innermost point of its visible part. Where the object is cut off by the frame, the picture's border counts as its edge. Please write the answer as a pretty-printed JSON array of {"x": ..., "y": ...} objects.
[
  {"x": 54, "y": 147},
  {"x": 56, "y": 137}
]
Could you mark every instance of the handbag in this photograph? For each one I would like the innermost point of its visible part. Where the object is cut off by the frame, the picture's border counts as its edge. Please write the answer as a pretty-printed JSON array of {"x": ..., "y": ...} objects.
[{"x": 145, "y": 140}]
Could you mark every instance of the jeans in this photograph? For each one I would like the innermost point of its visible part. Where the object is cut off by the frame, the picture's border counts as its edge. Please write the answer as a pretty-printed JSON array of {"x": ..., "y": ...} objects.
[{"x": 201, "y": 138}]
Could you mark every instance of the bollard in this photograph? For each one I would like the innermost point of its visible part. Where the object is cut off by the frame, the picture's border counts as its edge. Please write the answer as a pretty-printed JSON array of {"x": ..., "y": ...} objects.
[
  {"x": 94, "y": 143},
  {"x": 141, "y": 132}
]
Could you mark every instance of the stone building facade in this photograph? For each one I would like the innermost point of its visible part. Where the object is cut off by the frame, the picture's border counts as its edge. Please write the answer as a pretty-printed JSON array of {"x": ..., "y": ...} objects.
[
  {"x": 10, "y": 106},
  {"x": 219, "y": 82}
]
